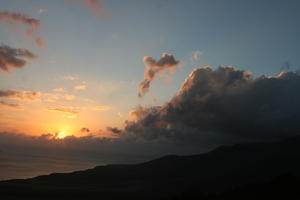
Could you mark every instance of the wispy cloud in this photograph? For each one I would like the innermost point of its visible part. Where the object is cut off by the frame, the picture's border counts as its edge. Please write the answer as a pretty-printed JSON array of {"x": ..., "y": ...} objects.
[
  {"x": 85, "y": 130},
  {"x": 69, "y": 78},
  {"x": 69, "y": 97},
  {"x": 64, "y": 110},
  {"x": 32, "y": 25},
  {"x": 13, "y": 58},
  {"x": 4, "y": 104},
  {"x": 41, "y": 10},
  {"x": 53, "y": 97},
  {"x": 101, "y": 108},
  {"x": 196, "y": 55},
  {"x": 58, "y": 90},
  {"x": 20, "y": 95},
  {"x": 95, "y": 6},
  {"x": 80, "y": 87}
]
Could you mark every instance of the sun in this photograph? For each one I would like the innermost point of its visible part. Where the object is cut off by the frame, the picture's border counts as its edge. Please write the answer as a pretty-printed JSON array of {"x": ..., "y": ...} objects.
[{"x": 61, "y": 135}]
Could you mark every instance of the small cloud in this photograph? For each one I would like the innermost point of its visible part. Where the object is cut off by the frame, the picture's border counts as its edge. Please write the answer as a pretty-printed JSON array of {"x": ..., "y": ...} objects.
[
  {"x": 69, "y": 78},
  {"x": 154, "y": 100},
  {"x": 69, "y": 97},
  {"x": 114, "y": 130},
  {"x": 41, "y": 10},
  {"x": 4, "y": 104},
  {"x": 13, "y": 58},
  {"x": 154, "y": 67},
  {"x": 120, "y": 114},
  {"x": 46, "y": 136},
  {"x": 72, "y": 116},
  {"x": 102, "y": 108},
  {"x": 196, "y": 55},
  {"x": 20, "y": 95},
  {"x": 95, "y": 6},
  {"x": 63, "y": 110},
  {"x": 53, "y": 97},
  {"x": 85, "y": 130},
  {"x": 58, "y": 90},
  {"x": 80, "y": 87}
]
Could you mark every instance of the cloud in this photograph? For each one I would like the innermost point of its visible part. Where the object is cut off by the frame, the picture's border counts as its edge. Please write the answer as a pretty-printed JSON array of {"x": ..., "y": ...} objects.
[
  {"x": 102, "y": 108},
  {"x": 69, "y": 78},
  {"x": 13, "y": 58},
  {"x": 114, "y": 130},
  {"x": 196, "y": 56},
  {"x": 4, "y": 104},
  {"x": 155, "y": 67},
  {"x": 85, "y": 130},
  {"x": 95, "y": 6},
  {"x": 20, "y": 95},
  {"x": 69, "y": 97},
  {"x": 222, "y": 104},
  {"x": 120, "y": 114},
  {"x": 80, "y": 87},
  {"x": 32, "y": 25},
  {"x": 41, "y": 10},
  {"x": 53, "y": 97},
  {"x": 58, "y": 90},
  {"x": 64, "y": 110}
]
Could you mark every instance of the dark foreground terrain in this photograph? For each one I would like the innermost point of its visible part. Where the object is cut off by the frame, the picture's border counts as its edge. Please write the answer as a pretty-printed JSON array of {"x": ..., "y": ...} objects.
[{"x": 248, "y": 171}]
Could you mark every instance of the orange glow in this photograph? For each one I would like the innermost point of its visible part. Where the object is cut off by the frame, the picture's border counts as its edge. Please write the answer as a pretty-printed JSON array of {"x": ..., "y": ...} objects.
[{"x": 61, "y": 135}]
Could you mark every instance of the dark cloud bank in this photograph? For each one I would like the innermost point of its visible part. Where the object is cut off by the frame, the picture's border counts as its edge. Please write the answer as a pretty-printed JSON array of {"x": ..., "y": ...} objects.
[
  {"x": 224, "y": 103},
  {"x": 212, "y": 108}
]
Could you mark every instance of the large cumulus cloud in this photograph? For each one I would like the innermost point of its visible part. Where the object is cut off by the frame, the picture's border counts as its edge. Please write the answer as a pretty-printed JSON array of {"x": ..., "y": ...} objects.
[{"x": 221, "y": 104}]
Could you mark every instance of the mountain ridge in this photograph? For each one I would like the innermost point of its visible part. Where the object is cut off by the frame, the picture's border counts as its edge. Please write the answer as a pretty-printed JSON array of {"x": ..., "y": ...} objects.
[{"x": 219, "y": 170}]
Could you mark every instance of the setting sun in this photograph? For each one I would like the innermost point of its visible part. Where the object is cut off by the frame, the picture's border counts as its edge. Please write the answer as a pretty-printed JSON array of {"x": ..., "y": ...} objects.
[{"x": 61, "y": 135}]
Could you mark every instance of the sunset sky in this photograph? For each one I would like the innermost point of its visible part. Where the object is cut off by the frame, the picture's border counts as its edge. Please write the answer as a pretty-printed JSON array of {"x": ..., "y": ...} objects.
[
  {"x": 86, "y": 82},
  {"x": 87, "y": 73}
]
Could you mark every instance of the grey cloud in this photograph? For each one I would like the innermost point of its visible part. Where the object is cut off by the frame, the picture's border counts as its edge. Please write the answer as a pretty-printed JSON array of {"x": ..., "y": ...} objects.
[
  {"x": 13, "y": 58},
  {"x": 114, "y": 130},
  {"x": 222, "y": 104},
  {"x": 154, "y": 68},
  {"x": 85, "y": 130},
  {"x": 20, "y": 95}
]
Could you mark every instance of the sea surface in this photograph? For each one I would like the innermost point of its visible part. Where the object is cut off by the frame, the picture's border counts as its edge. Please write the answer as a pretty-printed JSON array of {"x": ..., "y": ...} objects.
[{"x": 18, "y": 165}]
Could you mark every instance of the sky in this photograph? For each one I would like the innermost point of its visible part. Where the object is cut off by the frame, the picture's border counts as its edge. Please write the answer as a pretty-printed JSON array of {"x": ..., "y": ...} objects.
[
  {"x": 104, "y": 54},
  {"x": 131, "y": 69}
]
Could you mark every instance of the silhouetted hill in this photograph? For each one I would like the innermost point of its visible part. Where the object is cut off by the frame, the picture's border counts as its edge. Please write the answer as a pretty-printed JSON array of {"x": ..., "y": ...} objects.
[
  {"x": 283, "y": 187},
  {"x": 222, "y": 169}
]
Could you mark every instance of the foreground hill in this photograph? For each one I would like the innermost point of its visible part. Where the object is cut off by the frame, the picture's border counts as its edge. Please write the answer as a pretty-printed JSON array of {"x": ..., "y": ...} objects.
[{"x": 221, "y": 170}]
